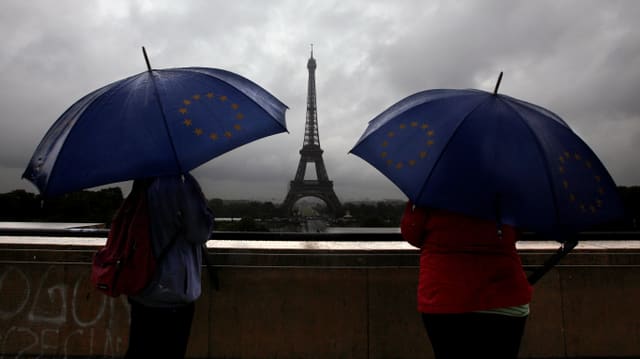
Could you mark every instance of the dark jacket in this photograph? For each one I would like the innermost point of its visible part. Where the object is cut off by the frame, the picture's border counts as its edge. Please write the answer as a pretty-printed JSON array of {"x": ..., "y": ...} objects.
[{"x": 181, "y": 222}]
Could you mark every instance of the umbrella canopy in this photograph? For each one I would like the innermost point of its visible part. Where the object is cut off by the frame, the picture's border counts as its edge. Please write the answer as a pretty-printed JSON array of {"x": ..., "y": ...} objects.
[
  {"x": 156, "y": 123},
  {"x": 490, "y": 156}
]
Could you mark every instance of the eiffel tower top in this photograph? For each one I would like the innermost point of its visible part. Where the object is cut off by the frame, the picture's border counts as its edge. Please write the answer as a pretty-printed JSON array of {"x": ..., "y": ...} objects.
[
  {"x": 311, "y": 64},
  {"x": 311, "y": 135}
]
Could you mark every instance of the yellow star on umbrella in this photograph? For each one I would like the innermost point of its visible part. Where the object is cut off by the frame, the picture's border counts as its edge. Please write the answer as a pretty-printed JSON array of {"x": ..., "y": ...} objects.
[
  {"x": 392, "y": 135},
  {"x": 192, "y": 121}
]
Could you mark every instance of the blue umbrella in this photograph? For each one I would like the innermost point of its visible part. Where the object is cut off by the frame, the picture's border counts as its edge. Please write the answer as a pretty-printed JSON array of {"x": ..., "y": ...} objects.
[
  {"x": 156, "y": 123},
  {"x": 490, "y": 156}
]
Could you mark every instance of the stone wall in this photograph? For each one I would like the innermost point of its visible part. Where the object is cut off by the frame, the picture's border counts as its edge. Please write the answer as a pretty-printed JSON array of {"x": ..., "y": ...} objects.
[{"x": 311, "y": 303}]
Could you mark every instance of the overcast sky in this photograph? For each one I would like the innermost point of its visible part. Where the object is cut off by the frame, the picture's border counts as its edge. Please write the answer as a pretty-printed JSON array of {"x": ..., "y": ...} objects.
[{"x": 580, "y": 59}]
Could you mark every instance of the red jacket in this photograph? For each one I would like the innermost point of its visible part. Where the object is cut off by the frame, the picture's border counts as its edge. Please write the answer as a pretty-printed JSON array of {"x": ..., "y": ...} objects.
[{"x": 465, "y": 265}]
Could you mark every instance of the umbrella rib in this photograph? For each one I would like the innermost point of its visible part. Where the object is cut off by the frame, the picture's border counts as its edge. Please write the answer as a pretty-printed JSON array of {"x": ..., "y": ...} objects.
[
  {"x": 544, "y": 156},
  {"x": 164, "y": 120},
  {"x": 106, "y": 91},
  {"x": 444, "y": 148},
  {"x": 534, "y": 107}
]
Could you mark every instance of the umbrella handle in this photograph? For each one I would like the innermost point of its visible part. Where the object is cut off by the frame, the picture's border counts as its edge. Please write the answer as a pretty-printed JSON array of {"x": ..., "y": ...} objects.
[{"x": 552, "y": 261}]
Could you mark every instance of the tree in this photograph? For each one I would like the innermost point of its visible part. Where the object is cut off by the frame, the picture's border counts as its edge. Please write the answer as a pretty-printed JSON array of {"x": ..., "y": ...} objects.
[
  {"x": 19, "y": 205},
  {"x": 82, "y": 206}
]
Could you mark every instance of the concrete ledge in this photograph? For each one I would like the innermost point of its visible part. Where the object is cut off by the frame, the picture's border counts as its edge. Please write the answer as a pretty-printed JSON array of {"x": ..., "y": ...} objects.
[{"x": 311, "y": 299}]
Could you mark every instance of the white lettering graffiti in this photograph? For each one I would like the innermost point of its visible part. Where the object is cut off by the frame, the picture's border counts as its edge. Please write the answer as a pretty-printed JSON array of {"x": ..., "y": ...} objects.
[{"x": 49, "y": 311}]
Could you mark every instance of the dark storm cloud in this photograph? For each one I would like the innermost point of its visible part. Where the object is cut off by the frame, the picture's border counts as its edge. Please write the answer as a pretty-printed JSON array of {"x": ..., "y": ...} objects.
[{"x": 581, "y": 59}]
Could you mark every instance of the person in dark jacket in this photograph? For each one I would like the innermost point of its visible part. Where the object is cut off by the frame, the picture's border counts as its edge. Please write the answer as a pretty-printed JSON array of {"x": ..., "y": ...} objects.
[
  {"x": 162, "y": 314},
  {"x": 473, "y": 293}
]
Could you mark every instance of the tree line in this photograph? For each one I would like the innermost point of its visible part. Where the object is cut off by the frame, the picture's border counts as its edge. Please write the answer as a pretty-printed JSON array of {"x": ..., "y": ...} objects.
[{"x": 100, "y": 206}]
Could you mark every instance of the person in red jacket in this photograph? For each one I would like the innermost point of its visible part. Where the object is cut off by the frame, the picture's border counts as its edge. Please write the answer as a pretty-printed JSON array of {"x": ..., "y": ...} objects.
[{"x": 473, "y": 293}]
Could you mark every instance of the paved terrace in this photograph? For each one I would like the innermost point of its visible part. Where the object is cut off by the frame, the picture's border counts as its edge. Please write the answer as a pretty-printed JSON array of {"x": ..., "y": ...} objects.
[{"x": 292, "y": 295}]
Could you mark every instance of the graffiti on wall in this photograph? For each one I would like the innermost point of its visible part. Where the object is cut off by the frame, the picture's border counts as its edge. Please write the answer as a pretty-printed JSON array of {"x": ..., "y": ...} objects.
[{"x": 53, "y": 310}]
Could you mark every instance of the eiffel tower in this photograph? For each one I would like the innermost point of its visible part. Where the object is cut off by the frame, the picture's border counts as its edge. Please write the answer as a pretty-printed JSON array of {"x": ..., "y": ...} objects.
[{"x": 321, "y": 187}]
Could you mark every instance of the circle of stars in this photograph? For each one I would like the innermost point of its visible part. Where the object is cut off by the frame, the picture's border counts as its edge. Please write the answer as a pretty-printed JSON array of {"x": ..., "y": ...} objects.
[
  {"x": 422, "y": 153},
  {"x": 568, "y": 161},
  {"x": 188, "y": 122}
]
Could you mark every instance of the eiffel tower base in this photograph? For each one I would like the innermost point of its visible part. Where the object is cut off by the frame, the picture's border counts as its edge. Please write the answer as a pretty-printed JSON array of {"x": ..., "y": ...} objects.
[{"x": 322, "y": 190}]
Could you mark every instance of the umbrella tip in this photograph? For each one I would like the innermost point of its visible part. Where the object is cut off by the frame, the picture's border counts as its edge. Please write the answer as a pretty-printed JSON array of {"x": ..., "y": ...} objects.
[
  {"x": 495, "y": 91},
  {"x": 146, "y": 59}
]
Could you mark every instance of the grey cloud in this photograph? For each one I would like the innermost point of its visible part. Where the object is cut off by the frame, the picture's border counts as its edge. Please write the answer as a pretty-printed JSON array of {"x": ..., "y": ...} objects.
[{"x": 581, "y": 59}]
